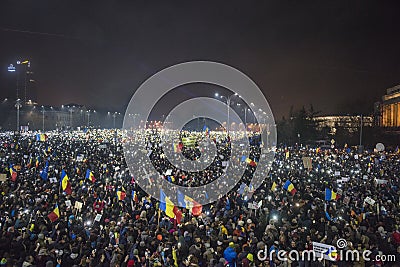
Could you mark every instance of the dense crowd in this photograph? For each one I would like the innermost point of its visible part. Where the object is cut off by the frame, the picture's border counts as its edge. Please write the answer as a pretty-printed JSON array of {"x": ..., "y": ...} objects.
[{"x": 98, "y": 227}]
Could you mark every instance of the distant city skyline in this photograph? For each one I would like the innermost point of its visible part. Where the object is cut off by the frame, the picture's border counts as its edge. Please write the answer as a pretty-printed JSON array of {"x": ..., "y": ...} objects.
[{"x": 338, "y": 57}]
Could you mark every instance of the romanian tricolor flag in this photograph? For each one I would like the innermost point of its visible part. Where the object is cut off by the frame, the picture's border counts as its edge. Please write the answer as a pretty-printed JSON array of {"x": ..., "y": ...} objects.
[
  {"x": 65, "y": 184},
  {"x": 54, "y": 215},
  {"x": 166, "y": 205},
  {"x": 189, "y": 203},
  {"x": 331, "y": 195},
  {"x": 177, "y": 147},
  {"x": 121, "y": 194},
  {"x": 206, "y": 130},
  {"x": 29, "y": 165},
  {"x": 248, "y": 161},
  {"x": 290, "y": 187},
  {"x": 37, "y": 162},
  {"x": 135, "y": 196},
  {"x": 332, "y": 253},
  {"x": 90, "y": 176},
  {"x": 41, "y": 137},
  {"x": 13, "y": 173}
]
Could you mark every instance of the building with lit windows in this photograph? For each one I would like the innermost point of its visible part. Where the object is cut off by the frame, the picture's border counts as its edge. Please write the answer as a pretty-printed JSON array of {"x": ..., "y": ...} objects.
[
  {"x": 390, "y": 108},
  {"x": 348, "y": 122}
]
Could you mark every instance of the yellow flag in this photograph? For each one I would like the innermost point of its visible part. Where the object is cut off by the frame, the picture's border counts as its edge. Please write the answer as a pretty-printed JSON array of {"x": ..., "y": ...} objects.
[{"x": 273, "y": 187}]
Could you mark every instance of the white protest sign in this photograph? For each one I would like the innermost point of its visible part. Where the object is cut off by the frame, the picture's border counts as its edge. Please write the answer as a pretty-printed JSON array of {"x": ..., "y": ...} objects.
[
  {"x": 98, "y": 217},
  {"x": 380, "y": 181},
  {"x": 78, "y": 205},
  {"x": 68, "y": 203},
  {"x": 320, "y": 250},
  {"x": 369, "y": 200}
]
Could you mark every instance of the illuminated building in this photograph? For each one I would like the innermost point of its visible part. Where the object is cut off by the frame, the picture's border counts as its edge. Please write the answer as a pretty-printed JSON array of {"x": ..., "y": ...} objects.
[
  {"x": 348, "y": 122},
  {"x": 390, "y": 108}
]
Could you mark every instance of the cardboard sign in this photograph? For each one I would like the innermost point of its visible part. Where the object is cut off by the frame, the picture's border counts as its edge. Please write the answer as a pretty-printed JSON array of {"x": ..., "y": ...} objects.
[
  {"x": 3, "y": 177},
  {"x": 68, "y": 203},
  {"x": 380, "y": 181},
  {"x": 307, "y": 163},
  {"x": 369, "y": 200},
  {"x": 78, "y": 205}
]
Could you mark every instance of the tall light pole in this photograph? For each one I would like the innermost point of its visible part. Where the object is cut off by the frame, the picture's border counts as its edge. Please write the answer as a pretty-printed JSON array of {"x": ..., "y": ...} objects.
[
  {"x": 18, "y": 106},
  {"x": 27, "y": 64},
  {"x": 228, "y": 103},
  {"x": 70, "y": 116},
  {"x": 361, "y": 129},
  {"x": 114, "y": 116},
  {"x": 43, "y": 118},
  {"x": 88, "y": 118}
]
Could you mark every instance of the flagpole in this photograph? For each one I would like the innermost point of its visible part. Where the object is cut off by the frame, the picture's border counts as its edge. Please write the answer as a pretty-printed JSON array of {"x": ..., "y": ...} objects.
[{"x": 159, "y": 214}]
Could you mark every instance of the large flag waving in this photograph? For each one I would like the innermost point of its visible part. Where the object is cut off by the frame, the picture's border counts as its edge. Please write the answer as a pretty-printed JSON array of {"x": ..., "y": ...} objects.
[
  {"x": 121, "y": 194},
  {"x": 166, "y": 204},
  {"x": 331, "y": 195},
  {"x": 90, "y": 176},
  {"x": 290, "y": 187},
  {"x": 189, "y": 203},
  {"x": 41, "y": 137},
  {"x": 13, "y": 173},
  {"x": 54, "y": 215},
  {"x": 65, "y": 184}
]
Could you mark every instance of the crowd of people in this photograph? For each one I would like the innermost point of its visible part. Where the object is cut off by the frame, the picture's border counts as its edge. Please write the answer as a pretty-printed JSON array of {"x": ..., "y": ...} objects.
[{"x": 106, "y": 219}]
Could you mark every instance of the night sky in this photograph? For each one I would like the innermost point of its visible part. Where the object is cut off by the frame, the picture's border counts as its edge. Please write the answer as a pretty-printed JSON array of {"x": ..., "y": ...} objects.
[{"x": 338, "y": 56}]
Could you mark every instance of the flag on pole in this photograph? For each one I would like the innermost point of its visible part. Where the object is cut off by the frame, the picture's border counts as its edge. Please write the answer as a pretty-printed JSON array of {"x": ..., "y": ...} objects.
[
  {"x": 290, "y": 187},
  {"x": 177, "y": 147},
  {"x": 41, "y": 137},
  {"x": 54, "y": 215},
  {"x": 65, "y": 184},
  {"x": 13, "y": 173},
  {"x": 166, "y": 204},
  {"x": 29, "y": 165},
  {"x": 331, "y": 195},
  {"x": 121, "y": 194},
  {"x": 37, "y": 162},
  {"x": 189, "y": 203},
  {"x": 134, "y": 196},
  {"x": 90, "y": 176},
  {"x": 206, "y": 130}
]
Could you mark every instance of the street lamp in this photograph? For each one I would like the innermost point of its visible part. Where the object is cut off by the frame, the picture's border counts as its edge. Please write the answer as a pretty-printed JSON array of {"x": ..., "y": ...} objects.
[
  {"x": 18, "y": 106},
  {"x": 361, "y": 130},
  {"x": 114, "y": 116},
  {"x": 88, "y": 117},
  {"x": 228, "y": 103},
  {"x": 70, "y": 116},
  {"x": 43, "y": 118}
]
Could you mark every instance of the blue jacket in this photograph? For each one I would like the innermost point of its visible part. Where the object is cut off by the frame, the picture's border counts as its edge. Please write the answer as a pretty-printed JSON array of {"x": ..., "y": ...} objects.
[{"x": 230, "y": 255}]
